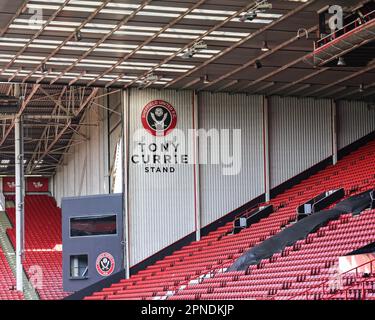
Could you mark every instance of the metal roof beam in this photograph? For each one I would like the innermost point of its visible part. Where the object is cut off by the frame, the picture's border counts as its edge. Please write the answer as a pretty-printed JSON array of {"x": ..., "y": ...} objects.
[
  {"x": 72, "y": 142},
  {"x": 35, "y": 36},
  {"x": 286, "y": 66},
  {"x": 146, "y": 42},
  {"x": 288, "y": 85},
  {"x": 227, "y": 85},
  {"x": 20, "y": 10},
  {"x": 40, "y": 154},
  {"x": 221, "y": 24},
  {"x": 91, "y": 97},
  {"x": 295, "y": 91},
  {"x": 70, "y": 37},
  {"x": 251, "y": 62},
  {"x": 341, "y": 80},
  {"x": 46, "y": 130},
  {"x": 191, "y": 83},
  {"x": 333, "y": 92},
  {"x": 22, "y": 109},
  {"x": 57, "y": 102},
  {"x": 264, "y": 87},
  {"x": 103, "y": 39},
  {"x": 364, "y": 94},
  {"x": 48, "y": 149}
]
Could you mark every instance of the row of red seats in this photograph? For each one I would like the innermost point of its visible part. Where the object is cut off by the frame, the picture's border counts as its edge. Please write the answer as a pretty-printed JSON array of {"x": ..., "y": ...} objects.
[
  {"x": 42, "y": 235},
  {"x": 168, "y": 278},
  {"x": 299, "y": 267},
  {"x": 7, "y": 281}
]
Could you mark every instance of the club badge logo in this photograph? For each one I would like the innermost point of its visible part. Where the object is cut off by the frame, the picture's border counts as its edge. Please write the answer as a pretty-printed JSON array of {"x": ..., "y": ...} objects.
[
  {"x": 159, "y": 118},
  {"x": 37, "y": 185},
  {"x": 11, "y": 185},
  {"x": 105, "y": 264}
]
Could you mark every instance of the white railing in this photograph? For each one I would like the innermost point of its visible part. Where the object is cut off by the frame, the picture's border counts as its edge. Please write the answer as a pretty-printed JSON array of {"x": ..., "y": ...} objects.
[{"x": 2, "y": 202}]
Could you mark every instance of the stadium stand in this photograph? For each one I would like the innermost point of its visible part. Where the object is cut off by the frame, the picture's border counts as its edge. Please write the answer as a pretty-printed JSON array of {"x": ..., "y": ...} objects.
[
  {"x": 196, "y": 271},
  {"x": 7, "y": 281},
  {"x": 202, "y": 148},
  {"x": 43, "y": 234}
]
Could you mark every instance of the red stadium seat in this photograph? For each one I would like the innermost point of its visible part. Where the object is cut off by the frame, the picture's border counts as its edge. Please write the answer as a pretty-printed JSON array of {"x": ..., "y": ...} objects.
[
  {"x": 42, "y": 234},
  {"x": 194, "y": 272}
]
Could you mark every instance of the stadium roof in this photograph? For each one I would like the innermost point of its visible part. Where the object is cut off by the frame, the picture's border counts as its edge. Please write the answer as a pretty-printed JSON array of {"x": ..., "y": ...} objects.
[
  {"x": 52, "y": 116},
  {"x": 61, "y": 51},
  {"x": 142, "y": 43}
]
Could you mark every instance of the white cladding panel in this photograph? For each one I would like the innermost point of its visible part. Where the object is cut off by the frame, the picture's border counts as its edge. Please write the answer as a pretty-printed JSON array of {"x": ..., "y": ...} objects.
[
  {"x": 220, "y": 193},
  {"x": 161, "y": 205},
  {"x": 115, "y": 103},
  {"x": 300, "y": 135},
  {"x": 355, "y": 120},
  {"x": 83, "y": 170},
  {"x": 115, "y": 125}
]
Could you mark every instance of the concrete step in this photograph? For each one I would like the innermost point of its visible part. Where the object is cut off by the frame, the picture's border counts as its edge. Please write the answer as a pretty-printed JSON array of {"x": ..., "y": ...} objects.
[{"x": 9, "y": 204}]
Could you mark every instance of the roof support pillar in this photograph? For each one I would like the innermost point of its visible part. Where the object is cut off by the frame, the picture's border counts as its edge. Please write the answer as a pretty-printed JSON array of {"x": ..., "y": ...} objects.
[
  {"x": 19, "y": 202},
  {"x": 195, "y": 138},
  {"x": 266, "y": 153},
  {"x": 334, "y": 131},
  {"x": 125, "y": 102}
]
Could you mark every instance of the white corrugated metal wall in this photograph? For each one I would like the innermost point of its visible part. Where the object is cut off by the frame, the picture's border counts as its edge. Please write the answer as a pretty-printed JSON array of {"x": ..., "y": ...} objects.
[
  {"x": 115, "y": 102},
  {"x": 84, "y": 169},
  {"x": 300, "y": 135},
  {"x": 161, "y": 205},
  {"x": 355, "y": 120},
  {"x": 220, "y": 193}
]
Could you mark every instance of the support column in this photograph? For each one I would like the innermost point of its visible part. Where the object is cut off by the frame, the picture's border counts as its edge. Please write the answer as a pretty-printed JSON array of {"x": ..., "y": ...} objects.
[
  {"x": 106, "y": 142},
  {"x": 125, "y": 103},
  {"x": 334, "y": 131},
  {"x": 197, "y": 209},
  {"x": 266, "y": 158},
  {"x": 19, "y": 202}
]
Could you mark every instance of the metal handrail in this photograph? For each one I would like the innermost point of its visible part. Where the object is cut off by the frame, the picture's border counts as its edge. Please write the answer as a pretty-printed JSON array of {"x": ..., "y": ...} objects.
[
  {"x": 245, "y": 212},
  {"x": 322, "y": 284},
  {"x": 350, "y": 288},
  {"x": 211, "y": 272},
  {"x": 2, "y": 202},
  {"x": 329, "y": 37}
]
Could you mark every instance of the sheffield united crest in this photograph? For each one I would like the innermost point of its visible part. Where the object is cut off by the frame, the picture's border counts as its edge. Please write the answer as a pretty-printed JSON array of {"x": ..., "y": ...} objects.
[
  {"x": 105, "y": 264},
  {"x": 159, "y": 118}
]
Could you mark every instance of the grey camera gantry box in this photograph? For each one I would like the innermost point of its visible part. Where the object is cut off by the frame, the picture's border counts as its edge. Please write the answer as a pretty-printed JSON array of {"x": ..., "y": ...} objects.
[{"x": 92, "y": 232}]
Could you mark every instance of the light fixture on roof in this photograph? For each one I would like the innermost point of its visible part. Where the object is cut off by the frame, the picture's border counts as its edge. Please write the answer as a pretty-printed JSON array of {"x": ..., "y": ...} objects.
[
  {"x": 260, "y": 7},
  {"x": 341, "y": 62},
  {"x": 263, "y": 5},
  {"x": 9, "y": 105},
  {"x": 78, "y": 35},
  {"x": 248, "y": 16},
  {"x": 152, "y": 77},
  {"x": 361, "y": 88},
  {"x": 200, "y": 45},
  {"x": 197, "y": 47},
  {"x": 44, "y": 68},
  {"x": 149, "y": 79},
  {"x": 265, "y": 47},
  {"x": 258, "y": 64},
  {"x": 205, "y": 79},
  {"x": 188, "y": 54}
]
